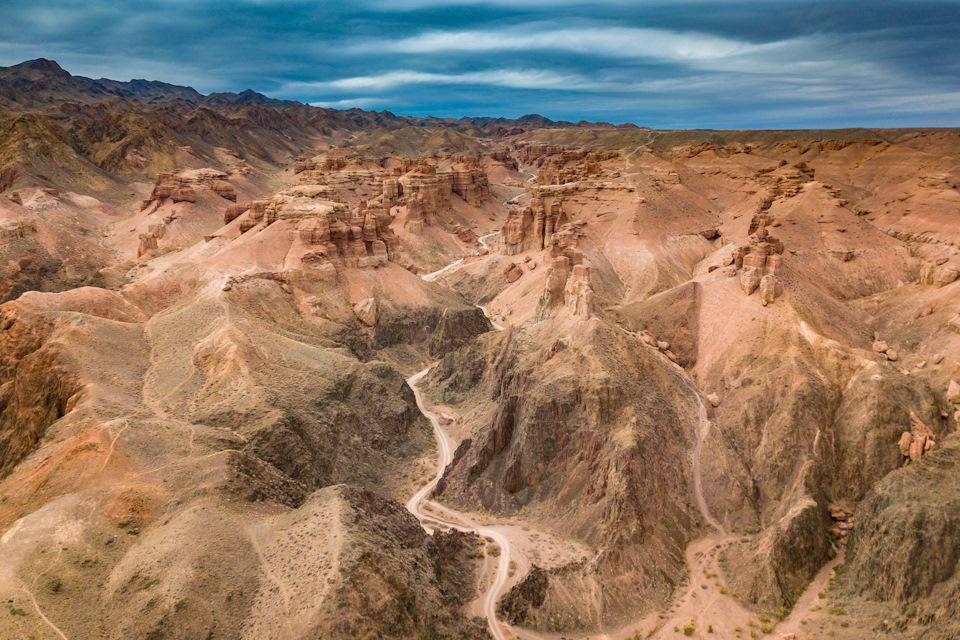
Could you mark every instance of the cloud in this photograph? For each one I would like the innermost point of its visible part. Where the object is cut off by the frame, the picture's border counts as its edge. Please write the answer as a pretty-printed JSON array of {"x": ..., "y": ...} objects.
[
  {"x": 692, "y": 63},
  {"x": 350, "y": 103},
  {"x": 516, "y": 79},
  {"x": 615, "y": 42}
]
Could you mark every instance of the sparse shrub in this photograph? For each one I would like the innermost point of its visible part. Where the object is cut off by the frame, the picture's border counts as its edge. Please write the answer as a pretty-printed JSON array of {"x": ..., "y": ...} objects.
[
  {"x": 16, "y": 611},
  {"x": 180, "y": 605},
  {"x": 689, "y": 630}
]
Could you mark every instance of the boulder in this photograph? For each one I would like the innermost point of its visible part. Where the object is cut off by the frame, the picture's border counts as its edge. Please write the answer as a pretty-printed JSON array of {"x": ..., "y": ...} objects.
[
  {"x": 953, "y": 392},
  {"x": 905, "y": 440},
  {"x": 917, "y": 447},
  {"x": 714, "y": 399},
  {"x": 366, "y": 311},
  {"x": 770, "y": 289},
  {"x": 892, "y": 355},
  {"x": 750, "y": 280},
  {"x": 512, "y": 272},
  {"x": 8, "y": 175},
  {"x": 880, "y": 346}
]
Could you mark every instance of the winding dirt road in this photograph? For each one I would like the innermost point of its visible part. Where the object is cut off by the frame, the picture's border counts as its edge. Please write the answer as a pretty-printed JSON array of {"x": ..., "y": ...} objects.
[
  {"x": 430, "y": 277},
  {"x": 441, "y": 516}
]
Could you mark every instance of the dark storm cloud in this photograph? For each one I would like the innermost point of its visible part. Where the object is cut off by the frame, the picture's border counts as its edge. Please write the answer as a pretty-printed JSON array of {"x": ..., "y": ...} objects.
[{"x": 689, "y": 63}]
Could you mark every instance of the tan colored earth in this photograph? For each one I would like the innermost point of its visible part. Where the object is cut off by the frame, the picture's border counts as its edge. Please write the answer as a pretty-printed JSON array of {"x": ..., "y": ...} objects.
[{"x": 271, "y": 371}]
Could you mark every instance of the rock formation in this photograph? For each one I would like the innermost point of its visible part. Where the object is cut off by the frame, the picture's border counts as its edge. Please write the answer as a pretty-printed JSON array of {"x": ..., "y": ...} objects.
[
  {"x": 760, "y": 260},
  {"x": 577, "y": 294},
  {"x": 183, "y": 186},
  {"x": 940, "y": 274}
]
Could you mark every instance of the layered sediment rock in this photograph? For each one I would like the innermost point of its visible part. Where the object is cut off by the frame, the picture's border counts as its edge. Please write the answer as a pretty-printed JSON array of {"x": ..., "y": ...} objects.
[
  {"x": 761, "y": 260},
  {"x": 562, "y": 165},
  {"x": 419, "y": 186},
  {"x": 531, "y": 228},
  {"x": 183, "y": 186},
  {"x": 938, "y": 274}
]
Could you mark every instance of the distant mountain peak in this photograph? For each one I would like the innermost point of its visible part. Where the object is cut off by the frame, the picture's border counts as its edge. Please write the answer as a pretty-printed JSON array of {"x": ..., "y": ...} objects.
[{"x": 41, "y": 64}]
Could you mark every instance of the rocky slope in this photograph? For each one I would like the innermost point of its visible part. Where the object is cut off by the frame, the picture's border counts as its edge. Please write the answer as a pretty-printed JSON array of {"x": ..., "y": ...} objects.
[{"x": 749, "y": 266}]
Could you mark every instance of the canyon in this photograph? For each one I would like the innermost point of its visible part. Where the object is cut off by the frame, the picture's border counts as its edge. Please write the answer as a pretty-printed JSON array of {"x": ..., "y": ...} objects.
[{"x": 269, "y": 370}]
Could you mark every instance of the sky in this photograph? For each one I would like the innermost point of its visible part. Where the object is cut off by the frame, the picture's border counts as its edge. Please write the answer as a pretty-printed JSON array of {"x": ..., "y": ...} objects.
[{"x": 678, "y": 64}]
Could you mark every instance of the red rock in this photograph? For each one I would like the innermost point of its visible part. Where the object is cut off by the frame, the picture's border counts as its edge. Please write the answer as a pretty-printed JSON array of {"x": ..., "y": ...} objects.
[
  {"x": 366, "y": 311},
  {"x": 917, "y": 448},
  {"x": 578, "y": 294},
  {"x": 8, "y": 175},
  {"x": 905, "y": 440},
  {"x": 234, "y": 211},
  {"x": 512, "y": 272}
]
